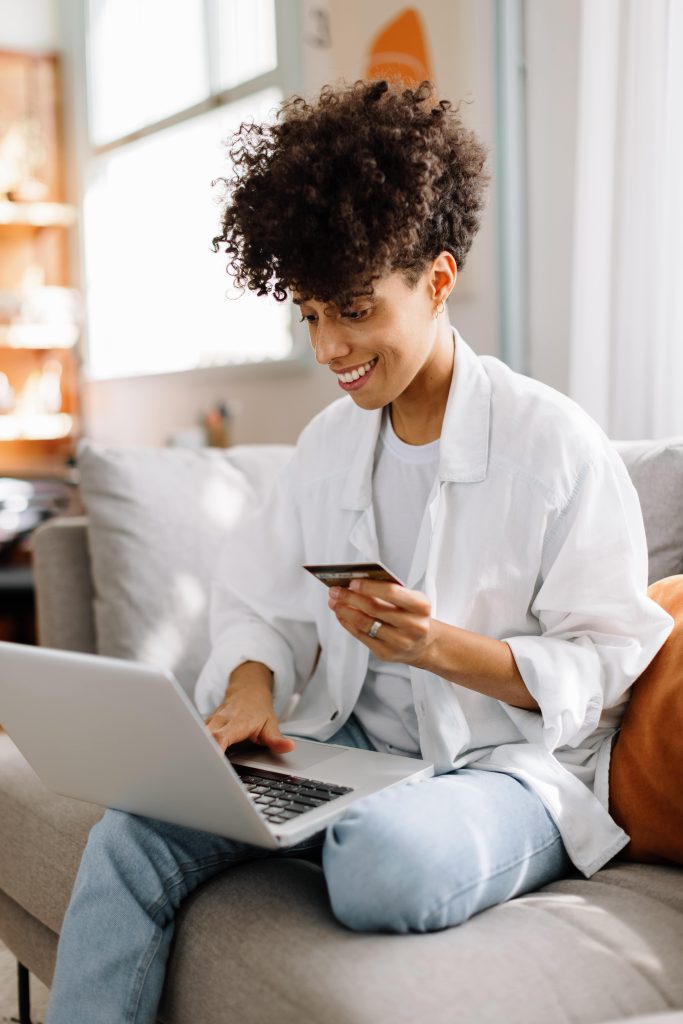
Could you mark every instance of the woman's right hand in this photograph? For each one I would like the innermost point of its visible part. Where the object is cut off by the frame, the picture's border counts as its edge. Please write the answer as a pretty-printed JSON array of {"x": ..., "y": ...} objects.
[{"x": 247, "y": 712}]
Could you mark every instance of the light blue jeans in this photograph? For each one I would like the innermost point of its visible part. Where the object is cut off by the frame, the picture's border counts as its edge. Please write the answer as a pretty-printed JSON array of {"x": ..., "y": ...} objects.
[{"x": 418, "y": 857}]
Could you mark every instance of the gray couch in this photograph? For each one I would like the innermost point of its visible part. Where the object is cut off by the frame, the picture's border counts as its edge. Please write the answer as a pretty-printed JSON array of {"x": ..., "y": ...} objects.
[{"x": 260, "y": 944}]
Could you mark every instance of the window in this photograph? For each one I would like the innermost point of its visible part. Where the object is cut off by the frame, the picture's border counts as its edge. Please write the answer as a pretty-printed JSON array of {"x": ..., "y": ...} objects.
[{"x": 158, "y": 298}]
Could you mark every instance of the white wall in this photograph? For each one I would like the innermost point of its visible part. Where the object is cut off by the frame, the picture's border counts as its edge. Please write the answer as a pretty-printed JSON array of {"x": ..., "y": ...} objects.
[
  {"x": 29, "y": 25},
  {"x": 275, "y": 404}
]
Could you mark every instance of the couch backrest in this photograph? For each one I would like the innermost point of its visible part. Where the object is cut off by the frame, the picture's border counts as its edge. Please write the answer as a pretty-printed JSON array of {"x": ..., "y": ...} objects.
[
  {"x": 63, "y": 585},
  {"x": 132, "y": 579},
  {"x": 656, "y": 468}
]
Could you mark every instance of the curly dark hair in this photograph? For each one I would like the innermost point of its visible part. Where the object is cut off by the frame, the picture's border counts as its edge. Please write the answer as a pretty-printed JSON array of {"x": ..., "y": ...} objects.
[{"x": 369, "y": 179}]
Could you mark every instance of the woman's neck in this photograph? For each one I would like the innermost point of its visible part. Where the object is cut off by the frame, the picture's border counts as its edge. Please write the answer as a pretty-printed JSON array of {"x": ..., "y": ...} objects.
[{"x": 417, "y": 415}]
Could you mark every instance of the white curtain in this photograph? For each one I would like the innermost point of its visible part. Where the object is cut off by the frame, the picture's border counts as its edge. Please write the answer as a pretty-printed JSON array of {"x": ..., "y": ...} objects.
[{"x": 626, "y": 356}]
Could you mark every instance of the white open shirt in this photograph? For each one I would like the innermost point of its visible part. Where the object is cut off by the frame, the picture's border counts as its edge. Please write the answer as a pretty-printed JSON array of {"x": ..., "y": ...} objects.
[{"x": 533, "y": 534}]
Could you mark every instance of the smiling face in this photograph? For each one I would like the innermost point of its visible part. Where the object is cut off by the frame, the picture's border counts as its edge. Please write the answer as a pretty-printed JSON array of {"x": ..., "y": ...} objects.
[{"x": 388, "y": 348}]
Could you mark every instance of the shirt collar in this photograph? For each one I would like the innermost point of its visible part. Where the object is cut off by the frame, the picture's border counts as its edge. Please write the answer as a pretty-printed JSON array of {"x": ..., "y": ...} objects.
[
  {"x": 464, "y": 445},
  {"x": 467, "y": 420}
]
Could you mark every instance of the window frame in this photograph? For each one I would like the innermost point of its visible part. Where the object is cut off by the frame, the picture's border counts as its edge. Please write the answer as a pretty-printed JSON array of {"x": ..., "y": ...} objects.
[{"x": 287, "y": 76}]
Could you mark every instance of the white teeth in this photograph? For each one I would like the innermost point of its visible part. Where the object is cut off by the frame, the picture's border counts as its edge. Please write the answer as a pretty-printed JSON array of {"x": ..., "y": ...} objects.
[{"x": 348, "y": 378}]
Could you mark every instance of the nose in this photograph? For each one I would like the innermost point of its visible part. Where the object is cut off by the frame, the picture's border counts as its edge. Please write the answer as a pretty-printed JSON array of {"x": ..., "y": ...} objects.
[{"x": 328, "y": 345}]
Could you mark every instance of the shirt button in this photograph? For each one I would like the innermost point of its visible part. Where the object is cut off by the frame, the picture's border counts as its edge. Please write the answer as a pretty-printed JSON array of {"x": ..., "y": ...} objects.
[{"x": 334, "y": 716}]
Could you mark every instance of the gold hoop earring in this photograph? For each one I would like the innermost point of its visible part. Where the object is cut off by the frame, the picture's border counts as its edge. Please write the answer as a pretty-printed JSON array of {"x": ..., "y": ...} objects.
[{"x": 439, "y": 310}]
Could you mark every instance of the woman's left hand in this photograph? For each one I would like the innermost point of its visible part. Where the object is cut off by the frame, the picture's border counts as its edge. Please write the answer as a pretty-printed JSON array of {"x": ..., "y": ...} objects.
[{"x": 407, "y": 628}]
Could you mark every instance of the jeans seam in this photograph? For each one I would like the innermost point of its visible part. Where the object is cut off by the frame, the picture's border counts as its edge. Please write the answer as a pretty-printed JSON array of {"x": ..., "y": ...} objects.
[
  {"x": 140, "y": 976},
  {"x": 173, "y": 881},
  {"x": 501, "y": 871}
]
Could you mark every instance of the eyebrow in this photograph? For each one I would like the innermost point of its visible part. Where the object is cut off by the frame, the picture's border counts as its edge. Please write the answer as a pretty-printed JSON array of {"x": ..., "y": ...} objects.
[{"x": 302, "y": 302}]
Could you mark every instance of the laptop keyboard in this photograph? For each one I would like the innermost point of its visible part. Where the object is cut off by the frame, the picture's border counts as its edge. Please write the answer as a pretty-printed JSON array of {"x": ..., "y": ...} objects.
[{"x": 281, "y": 797}]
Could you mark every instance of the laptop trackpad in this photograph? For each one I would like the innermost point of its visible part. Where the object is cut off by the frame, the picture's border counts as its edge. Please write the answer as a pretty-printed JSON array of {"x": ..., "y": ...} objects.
[{"x": 305, "y": 754}]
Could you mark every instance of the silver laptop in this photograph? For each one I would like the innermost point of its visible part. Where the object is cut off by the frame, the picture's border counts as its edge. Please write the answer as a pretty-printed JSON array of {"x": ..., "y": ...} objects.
[{"x": 125, "y": 734}]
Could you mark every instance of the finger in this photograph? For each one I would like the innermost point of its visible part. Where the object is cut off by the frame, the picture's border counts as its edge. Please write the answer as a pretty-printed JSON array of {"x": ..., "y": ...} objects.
[
  {"x": 221, "y": 734},
  {"x": 373, "y": 609},
  {"x": 344, "y": 596},
  {"x": 271, "y": 737},
  {"x": 359, "y": 624},
  {"x": 215, "y": 720},
  {"x": 411, "y": 600},
  {"x": 229, "y": 729}
]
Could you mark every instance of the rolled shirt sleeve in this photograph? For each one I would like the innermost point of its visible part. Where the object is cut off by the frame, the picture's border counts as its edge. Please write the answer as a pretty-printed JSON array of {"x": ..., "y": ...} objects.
[
  {"x": 258, "y": 602},
  {"x": 598, "y": 628}
]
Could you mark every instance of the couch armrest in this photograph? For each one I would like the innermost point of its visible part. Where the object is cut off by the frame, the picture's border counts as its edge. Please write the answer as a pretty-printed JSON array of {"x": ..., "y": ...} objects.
[{"x": 63, "y": 583}]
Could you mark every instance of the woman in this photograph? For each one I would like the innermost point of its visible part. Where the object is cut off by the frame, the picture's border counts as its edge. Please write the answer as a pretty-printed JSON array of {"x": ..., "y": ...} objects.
[{"x": 507, "y": 658}]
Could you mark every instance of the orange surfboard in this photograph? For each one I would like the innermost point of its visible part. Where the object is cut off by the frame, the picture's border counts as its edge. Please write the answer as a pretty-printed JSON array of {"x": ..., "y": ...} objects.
[{"x": 399, "y": 51}]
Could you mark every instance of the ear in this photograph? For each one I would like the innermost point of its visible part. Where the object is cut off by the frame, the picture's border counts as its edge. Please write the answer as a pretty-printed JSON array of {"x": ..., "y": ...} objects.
[{"x": 442, "y": 276}]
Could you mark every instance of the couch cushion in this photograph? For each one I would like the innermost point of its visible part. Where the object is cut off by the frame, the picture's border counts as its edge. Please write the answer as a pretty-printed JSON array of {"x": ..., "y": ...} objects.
[
  {"x": 656, "y": 468},
  {"x": 262, "y": 938},
  {"x": 156, "y": 517},
  {"x": 646, "y": 769},
  {"x": 580, "y": 950}
]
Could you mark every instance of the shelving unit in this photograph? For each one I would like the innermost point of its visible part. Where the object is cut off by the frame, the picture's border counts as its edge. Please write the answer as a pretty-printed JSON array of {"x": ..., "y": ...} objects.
[
  {"x": 39, "y": 350},
  {"x": 39, "y": 355}
]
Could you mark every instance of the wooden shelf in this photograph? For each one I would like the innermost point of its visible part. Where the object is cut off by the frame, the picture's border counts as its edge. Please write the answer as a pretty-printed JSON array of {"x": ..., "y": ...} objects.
[
  {"x": 36, "y": 215},
  {"x": 38, "y": 336},
  {"x": 43, "y": 471}
]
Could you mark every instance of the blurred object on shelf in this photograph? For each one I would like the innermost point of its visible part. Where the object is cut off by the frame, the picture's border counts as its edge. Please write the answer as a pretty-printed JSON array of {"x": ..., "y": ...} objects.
[
  {"x": 218, "y": 426},
  {"x": 7, "y": 398},
  {"x": 35, "y": 427},
  {"x": 33, "y": 277},
  {"x": 23, "y": 155},
  {"x": 49, "y": 304},
  {"x": 37, "y": 215},
  {"x": 35, "y": 336},
  {"x": 10, "y": 306},
  {"x": 40, "y": 399},
  {"x": 190, "y": 437},
  {"x": 30, "y": 158},
  {"x": 25, "y": 504},
  {"x": 213, "y": 430},
  {"x": 40, "y": 315},
  {"x": 50, "y": 386},
  {"x": 34, "y": 410}
]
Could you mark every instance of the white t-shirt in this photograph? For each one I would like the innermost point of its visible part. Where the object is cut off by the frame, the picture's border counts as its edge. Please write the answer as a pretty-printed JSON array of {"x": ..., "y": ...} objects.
[{"x": 402, "y": 480}]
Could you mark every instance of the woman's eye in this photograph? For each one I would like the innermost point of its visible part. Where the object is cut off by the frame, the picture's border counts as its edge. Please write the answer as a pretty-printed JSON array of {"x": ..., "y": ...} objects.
[
  {"x": 356, "y": 314},
  {"x": 309, "y": 318}
]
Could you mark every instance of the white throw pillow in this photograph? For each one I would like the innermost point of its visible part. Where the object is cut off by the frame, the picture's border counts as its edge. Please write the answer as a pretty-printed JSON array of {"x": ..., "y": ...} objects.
[{"x": 156, "y": 517}]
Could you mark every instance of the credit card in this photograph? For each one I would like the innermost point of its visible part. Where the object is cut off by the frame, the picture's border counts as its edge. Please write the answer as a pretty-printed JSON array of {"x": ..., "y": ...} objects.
[{"x": 340, "y": 574}]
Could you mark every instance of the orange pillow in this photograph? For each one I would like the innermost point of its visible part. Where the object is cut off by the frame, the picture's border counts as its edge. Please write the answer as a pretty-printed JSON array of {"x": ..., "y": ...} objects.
[{"x": 646, "y": 770}]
